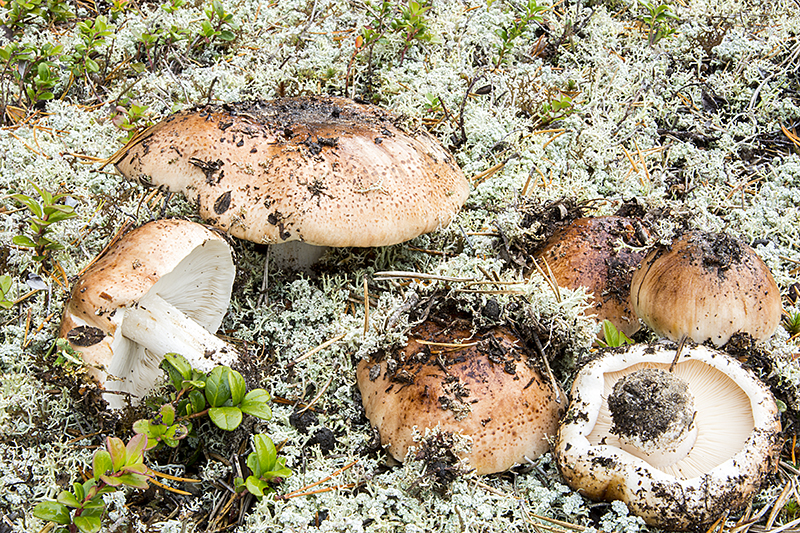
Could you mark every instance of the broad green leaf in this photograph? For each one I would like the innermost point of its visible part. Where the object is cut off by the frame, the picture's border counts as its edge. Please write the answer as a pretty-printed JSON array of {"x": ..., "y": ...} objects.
[
  {"x": 68, "y": 499},
  {"x": 116, "y": 448},
  {"x": 22, "y": 240},
  {"x": 87, "y": 523},
  {"x": 136, "y": 481},
  {"x": 197, "y": 400},
  {"x": 237, "y": 386},
  {"x": 101, "y": 463},
  {"x": 256, "y": 486},
  {"x": 227, "y": 418},
  {"x": 279, "y": 470},
  {"x": 52, "y": 512},
  {"x": 138, "y": 468},
  {"x": 256, "y": 403},
  {"x": 78, "y": 491},
  {"x": 167, "y": 413},
  {"x": 217, "y": 386},
  {"x": 135, "y": 449},
  {"x": 265, "y": 452},
  {"x": 179, "y": 363}
]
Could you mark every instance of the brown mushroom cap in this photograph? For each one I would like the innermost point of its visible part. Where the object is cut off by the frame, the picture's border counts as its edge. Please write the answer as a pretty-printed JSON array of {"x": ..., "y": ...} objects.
[
  {"x": 485, "y": 391},
  {"x": 706, "y": 286},
  {"x": 325, "y": 171},
  {"x": 598, "y": 253},
  {"x": 182, "y": 264}
]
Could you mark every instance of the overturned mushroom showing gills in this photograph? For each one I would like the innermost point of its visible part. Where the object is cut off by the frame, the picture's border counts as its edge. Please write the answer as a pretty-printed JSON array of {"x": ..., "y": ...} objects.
[
  {"x": 321, "y": 171},
  {"x": 163, "y": 287},
  {"x": 706, "y": 286},
  {"x": 599, "y": 253},
  {"x": 486, "y": 391},
  {"x": 679, "y": 448}
]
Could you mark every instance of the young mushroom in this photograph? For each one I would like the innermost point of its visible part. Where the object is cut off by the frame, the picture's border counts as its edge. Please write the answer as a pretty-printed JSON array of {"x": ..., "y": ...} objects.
[
  {"x": 601, "y": 254},
  {"x": 680, "y": 447},
  {"x": 481, "y": 386},
  {"x": 316, "y": 171},
  {"x": 706, "y": 286},
  {"x": 163, "y": 287}
]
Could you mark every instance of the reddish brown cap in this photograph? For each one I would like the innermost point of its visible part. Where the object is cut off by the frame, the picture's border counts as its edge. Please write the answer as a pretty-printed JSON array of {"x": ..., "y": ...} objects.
[{"x": 485, "y": 390}]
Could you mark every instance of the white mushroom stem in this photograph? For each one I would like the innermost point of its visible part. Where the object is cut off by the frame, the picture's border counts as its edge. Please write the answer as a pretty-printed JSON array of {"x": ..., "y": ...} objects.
[
  {"x": 295, "y": 255},
  {"x": 161, "y": 328}
]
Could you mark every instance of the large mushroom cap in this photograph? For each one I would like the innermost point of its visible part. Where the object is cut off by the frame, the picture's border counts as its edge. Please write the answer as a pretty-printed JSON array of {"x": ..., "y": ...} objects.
[
  {"x": 325, "y": 171},
  {"x": 158, "y": 278},
  {"x": 679, "y": 448},
  {"x": 485, "y": 391},
  {"x": 706, "y": 286},
  {"x": 599, "y": 253}
]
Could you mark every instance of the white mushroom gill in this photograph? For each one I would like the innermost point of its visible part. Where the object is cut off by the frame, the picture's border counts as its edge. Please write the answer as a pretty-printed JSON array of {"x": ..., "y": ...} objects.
[{"x": 723, "y": 409}]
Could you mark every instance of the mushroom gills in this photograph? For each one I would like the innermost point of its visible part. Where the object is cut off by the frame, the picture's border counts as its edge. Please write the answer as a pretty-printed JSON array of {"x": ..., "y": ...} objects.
[
  {"x": 161, "y": 328},
  {"x": 722, "y": 410}
]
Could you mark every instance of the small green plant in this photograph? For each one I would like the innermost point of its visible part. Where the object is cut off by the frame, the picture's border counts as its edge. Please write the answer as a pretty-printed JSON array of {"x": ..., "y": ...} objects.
[
  {"x": 93, "y": 35},
  {"x": 130, "y": 117},
  {"x": 221, "y": 395},
  {"x": 412, "y": 23},
  {"x": 266, "y": 467},
  {"x": 556, "y": 108},
  {"x": 791, "y": 322},
  {"x": 218, "y": 29},
  {"x": 5, "y": 291},
  {"x": 658, "y": 19},
  {"x": 82, "y": 508},
  {"x": 32, "y": 71},
  {"x": 171, "y": 6},
  {"x": 18, "y": 14},
  {"x": 432, "y": 104},
  {"x": 613, "y": 337},
  {"x": 43, "y": 214},
  {"x": 517, "y": 28}
]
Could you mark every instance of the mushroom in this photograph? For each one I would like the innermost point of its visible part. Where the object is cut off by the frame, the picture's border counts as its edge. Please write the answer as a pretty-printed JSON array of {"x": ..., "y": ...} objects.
[
  {"x": 706, "y": 286},
  {"x": 163, "y": 287},
  {"x": 321, "y": 171},
  {"x": 679, "y": 448},
  {"x": 599, "y": 253},
  {"x": 481, "y": 386}
]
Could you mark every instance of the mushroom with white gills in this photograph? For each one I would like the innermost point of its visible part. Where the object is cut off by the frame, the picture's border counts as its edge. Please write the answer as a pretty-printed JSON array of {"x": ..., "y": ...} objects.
[
  {"x": 706, "y": 286},
  {"x": 679, "y": 448},
  {"x": 163, "y": 287},
  {"x": 486, "y": 391},
  {"x": 314, "y": 171}
]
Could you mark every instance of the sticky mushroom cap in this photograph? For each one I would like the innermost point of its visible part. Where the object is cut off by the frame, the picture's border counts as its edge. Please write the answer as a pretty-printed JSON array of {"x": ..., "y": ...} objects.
[
  {"x": 706, "y": 286},
  {"x": 178, "y": 262},
  {"x": 598, "y": 253},
  {"x": 734, "y": 443},
  {"x": 485, "y": 391},
  {"x": 322, "y": 170}
]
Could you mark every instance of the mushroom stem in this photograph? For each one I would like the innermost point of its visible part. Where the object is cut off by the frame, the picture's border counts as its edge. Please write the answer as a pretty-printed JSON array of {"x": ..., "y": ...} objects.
[
  {"x": 161, "y": 328},
  {"x": 295, "y": 255}
]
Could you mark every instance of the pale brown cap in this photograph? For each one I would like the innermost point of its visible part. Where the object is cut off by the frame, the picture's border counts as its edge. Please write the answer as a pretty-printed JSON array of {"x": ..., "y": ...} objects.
[
  {"x": 599, "y": 253},
  {"x": 485, "y": 391},
  {"x": 706, "y": 286},
  {"x": 326, "y": 171},
  {"x": 182, "y": 263}
]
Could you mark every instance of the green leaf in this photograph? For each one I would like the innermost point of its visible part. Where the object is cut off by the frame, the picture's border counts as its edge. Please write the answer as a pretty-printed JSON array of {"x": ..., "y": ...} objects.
[
  {"x": 198, "y": 401},
  {"x": 237, "y": 386},
  {"x": 91, "y": 65},
  {"x": 87, "y": 523},
  {"x": 227, "y": 418},
  {"x": 256, "y": 403},
  {"x": 256, "y": 486},
  {"x": 116, "y": 449},
  {"x": 136, "y": 481},
  {"x": 101, "y": 463},
  {"x": 22, "y": 240},
  {"x": 52, "y": 512},
  {"x": 179, "y": 363},
  {"x": 265, "y": 453},
  {"x": 218, "y": 389},
  {"x": 68, "y": 499},
  {"x": 135, "y": 449},
  {"x": 167, "y": 414}
]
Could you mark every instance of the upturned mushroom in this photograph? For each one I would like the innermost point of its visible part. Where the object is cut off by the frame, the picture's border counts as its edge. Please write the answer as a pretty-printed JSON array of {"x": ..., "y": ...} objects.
[
  {"x": 680, "y": 448},
  {"x": 318, "y": 171},
  {"x": 481, "y": 386},
  {"x": 706, "y": 286},
  {"x": 163, "y": 287},
  {"x": 599, "y": 253}
]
